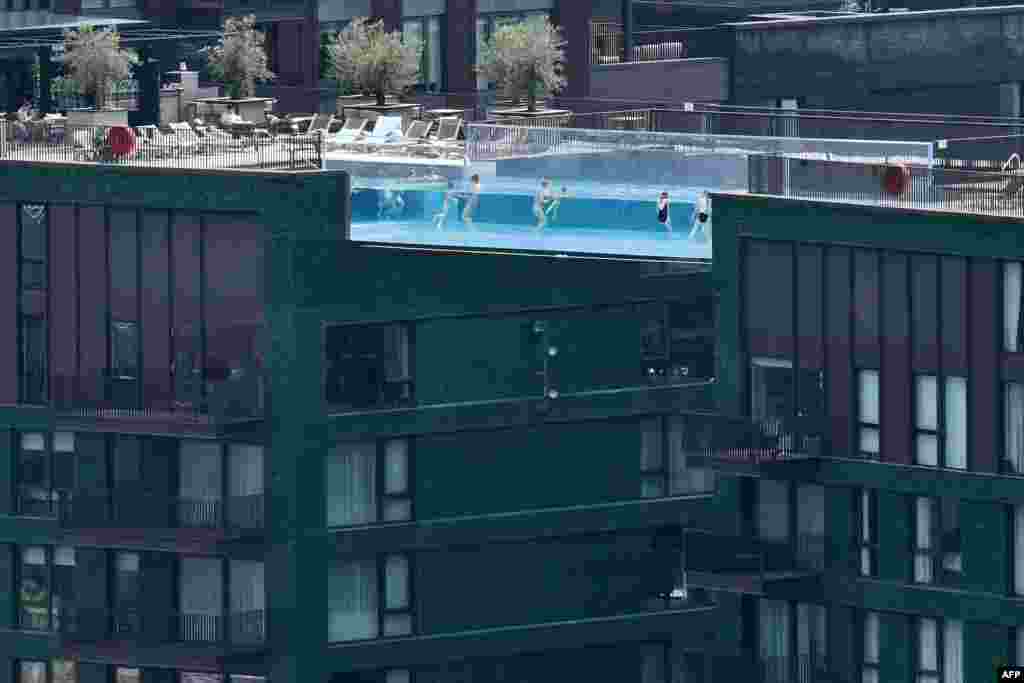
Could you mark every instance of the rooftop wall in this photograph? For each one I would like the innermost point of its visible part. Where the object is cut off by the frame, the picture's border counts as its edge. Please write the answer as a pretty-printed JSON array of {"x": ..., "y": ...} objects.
[
  {"x": 854, "y": 61},
  {"x": 670, "y": 80}
]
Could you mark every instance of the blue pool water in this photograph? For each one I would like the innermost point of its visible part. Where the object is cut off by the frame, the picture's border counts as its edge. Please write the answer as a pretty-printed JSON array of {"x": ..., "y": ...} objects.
[{"x": 589, "y": 218}]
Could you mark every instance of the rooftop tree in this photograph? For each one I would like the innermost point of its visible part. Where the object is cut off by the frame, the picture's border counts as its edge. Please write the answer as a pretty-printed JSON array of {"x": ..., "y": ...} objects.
[
  {"x": 374, "y": 60},
  {"x": 525, "y": 58},
  {"x": 239, "y": 59},
  {"x": 94, "y": 61}
]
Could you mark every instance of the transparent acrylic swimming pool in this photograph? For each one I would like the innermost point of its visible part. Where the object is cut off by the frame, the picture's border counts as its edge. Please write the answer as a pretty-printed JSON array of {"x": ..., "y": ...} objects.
[{"x": 586, "y": 218}]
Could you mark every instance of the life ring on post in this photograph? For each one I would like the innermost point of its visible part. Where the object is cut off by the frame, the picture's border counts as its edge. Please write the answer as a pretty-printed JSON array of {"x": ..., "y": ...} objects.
[
  {"x": 895, "y": 179},
  {"x": 121, "y": 141}
]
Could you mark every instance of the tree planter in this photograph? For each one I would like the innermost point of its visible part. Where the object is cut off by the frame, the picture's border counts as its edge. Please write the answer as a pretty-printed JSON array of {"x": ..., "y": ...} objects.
[
  {"x": 97, "y": 117},
  {"x": 346, "y": 101},
  {"x": 250, "y": 108}
]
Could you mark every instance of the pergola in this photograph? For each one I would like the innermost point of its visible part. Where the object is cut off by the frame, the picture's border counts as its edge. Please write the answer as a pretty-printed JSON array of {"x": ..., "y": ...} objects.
[{"x": 148, "y": 40}]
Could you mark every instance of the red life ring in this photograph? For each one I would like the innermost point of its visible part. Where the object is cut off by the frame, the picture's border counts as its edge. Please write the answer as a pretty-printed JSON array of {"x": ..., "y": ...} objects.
[
  {"x": 121, "y": 140},
  {"x": 895, "y": 179}
]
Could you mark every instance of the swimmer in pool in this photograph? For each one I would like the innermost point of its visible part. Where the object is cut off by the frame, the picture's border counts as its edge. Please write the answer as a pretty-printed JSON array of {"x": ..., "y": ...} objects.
[
  {"x": 702, "y": 213},
  {"x": 472, "y": 200},
  {"x": 542, "y": 202},
  {"x": 441, "y": 217},
  {"x": 663, "y": 206},
  {"x": 552, "y": 210},
  {"x": 390, "y": 204}
]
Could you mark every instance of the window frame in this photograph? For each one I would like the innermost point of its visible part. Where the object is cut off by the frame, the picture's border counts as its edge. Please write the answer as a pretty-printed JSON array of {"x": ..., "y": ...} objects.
[
  {"x": 937, "y": 673},
  {"x": 941, "y": 431},
  {"x": 382, "y": 497},
  {"x": 404, "y": 346},
  {"x": 1005, "y": 326},
  {"x": 383, "y": 611},
  {"x": 55, "y": 494},
  {"x": 25, "y": 623},
  {"x": 937, "y": 552},
  {"x": 117, "y": 371},
  {"x": 425, "y": 59},
  {"x": 126, "y": 617},
  {"x": 1006, "y": 465},
  {"x": 33, "y": 393}
]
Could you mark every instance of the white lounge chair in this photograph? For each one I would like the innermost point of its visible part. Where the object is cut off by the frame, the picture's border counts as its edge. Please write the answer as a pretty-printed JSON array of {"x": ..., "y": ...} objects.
[
  {"x": 388, "y": 129},
  {"x": 352, "y": 131},
  {"x": 446, "y": 141},
  {"x": 415, "y": 134}
]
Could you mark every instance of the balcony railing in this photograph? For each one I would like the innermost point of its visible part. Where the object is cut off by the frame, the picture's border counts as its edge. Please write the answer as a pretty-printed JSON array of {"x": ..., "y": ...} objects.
[
  {"x": 607, "y": 43},
  {"x": 147, "y": 509},
  {"x": 123, "y": 146},
  {"x": 712, "y": 553},
  {"x": 239, "y": 397},
  {"x": 153, "y": 627}
]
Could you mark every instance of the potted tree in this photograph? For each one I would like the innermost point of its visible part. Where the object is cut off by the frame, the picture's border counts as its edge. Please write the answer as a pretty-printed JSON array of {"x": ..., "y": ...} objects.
[
  {"x": 378, "y": 63},
  {"x": 526, "y": 60},
  {"x": 239, "y": 60},
  {"x": 94, "y": 64}
]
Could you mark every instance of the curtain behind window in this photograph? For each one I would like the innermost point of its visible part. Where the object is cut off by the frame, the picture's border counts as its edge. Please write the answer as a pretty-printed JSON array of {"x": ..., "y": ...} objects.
[
  {"x": 956, "y": 423},
  {"x": 1013, "y": 407},
  {"x": 926, "y": 417},
  {"x": 774, "y": 639},
  {"x": 352, "y": 601},
  {"x": 352, "y": 484},
  {"x": 1011, "y": 306},
  {"x": 923, "y": 540},
  {"x": 927, "y": 650},
  {"x": 953, "y": 651}
]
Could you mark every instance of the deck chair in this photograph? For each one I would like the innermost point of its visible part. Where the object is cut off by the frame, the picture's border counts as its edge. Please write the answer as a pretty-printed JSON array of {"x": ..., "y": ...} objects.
[
  {"x": 187, "y": 138},
  {"x": 446, "y": 141},
  {"x": 415, "y": 134},
  {"x": 352, "y": 131},
  {"x": 320, "y": 124},
  {"x": 388, "y": 129}
]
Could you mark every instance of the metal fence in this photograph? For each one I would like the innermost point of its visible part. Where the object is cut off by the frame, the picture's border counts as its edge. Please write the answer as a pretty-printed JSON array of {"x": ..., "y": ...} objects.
[
  {"x": 120, "y": 145},
  {"x": 122, "y": 97}
]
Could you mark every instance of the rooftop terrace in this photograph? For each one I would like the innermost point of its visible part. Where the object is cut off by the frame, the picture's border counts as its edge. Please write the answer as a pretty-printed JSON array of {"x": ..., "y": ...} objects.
[{"x": 604, "y": 186}]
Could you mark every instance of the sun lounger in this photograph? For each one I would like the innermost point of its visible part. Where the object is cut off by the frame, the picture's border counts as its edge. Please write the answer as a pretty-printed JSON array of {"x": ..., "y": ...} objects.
[
  {"x": 388, "y": 129},
  {"x": 352, "y": 131}
]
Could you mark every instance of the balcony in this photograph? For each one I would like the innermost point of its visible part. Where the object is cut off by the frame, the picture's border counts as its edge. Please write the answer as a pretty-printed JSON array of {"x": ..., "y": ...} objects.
[
  {"x": 145, "y": 627},
  {"x": 108, "y": 510},
  {"x": 745, "y": 447},
  {"x": 751, "y": 565},
  {"x": 237, "y": 398}
]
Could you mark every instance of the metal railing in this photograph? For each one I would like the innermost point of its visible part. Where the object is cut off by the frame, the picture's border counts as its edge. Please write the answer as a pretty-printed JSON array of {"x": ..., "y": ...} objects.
[
  {"x": 607, "y": 43},
  {"x": 140, "y": 509},
  {"x": 714, "y": 553},
  {"x": 155, "y": 396},
  {"x": 124, "y": 146},
  {"x": 95, "y": 624}
]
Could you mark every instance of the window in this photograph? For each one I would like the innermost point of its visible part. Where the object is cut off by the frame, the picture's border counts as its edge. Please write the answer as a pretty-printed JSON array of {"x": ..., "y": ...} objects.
[
  {"x": 200, "y": 483},
  {"x": 357, "y": 495},
  {"x": 126, "y": 595},
  {"x": 671, "y": 476},
  {"x": 34, "y": 591},
  {"x": 868, "y": 414},
  {"x": 927, "y": 659},
  {"x": 774, "y": 642},
  {"x": 773, "y": 507},
  {"x": 940, "y": 441},
  {"x": 428, "y": 31},
  {"x": 867, "y": 531},
  {"x": 952, "y": 651},
  {"x": 31, "y": 672},
  {"x": 125, "y": 675},
  {"x": 1013, "y": 424},
  {"x": 124, "y": 350},
  {"x": 368, "y": 367},
  {"x": 1013, "y": 332},
  {"x": 248, "y": 601},
  {"x": 62, "y": 604},
  {"x": 357, "y": 610},
  {"x": 940, "y": 659},
  {"x": 812, "y": 644},
  {"x": 45, "y": 473},
  {"x": 677, "y": 340},
  {"x": 1018, "y": 645},
  {"x": 190, "y": 677},
  {"x": 810, "y": 526},
  {"x": 201, "y": 599},
  {"x": 870, "y": 649},
  {"x": 33, "y": 247},
  {"x": 937, "y": 555},
  {"x": 60, "y": 671},
  {"x": 245, "y": 486},
  {"x": 34, "y": 359},
  {"x": 775, "y": 393}
]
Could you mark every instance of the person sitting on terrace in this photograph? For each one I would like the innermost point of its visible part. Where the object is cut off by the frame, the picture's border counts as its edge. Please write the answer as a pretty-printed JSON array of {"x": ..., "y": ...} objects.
[
  {"x": 25, "y": 111},
  {"x": 230, "y": 117}
]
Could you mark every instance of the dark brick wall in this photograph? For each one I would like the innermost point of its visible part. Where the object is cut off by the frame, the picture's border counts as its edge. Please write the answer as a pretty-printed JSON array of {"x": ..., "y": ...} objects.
[{"x": 675, "y": 81}]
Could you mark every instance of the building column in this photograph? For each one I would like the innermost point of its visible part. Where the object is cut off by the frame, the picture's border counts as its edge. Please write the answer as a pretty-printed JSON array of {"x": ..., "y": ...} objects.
[
  {"x": 460, "y": 43},
  {"x": 390, "y": 11},
  {"x": 627, "y": 29},
  {"x": 299, "y": 553},
  {"x": 45, "y": 104},
  {"x": 574, "y": 19}
]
